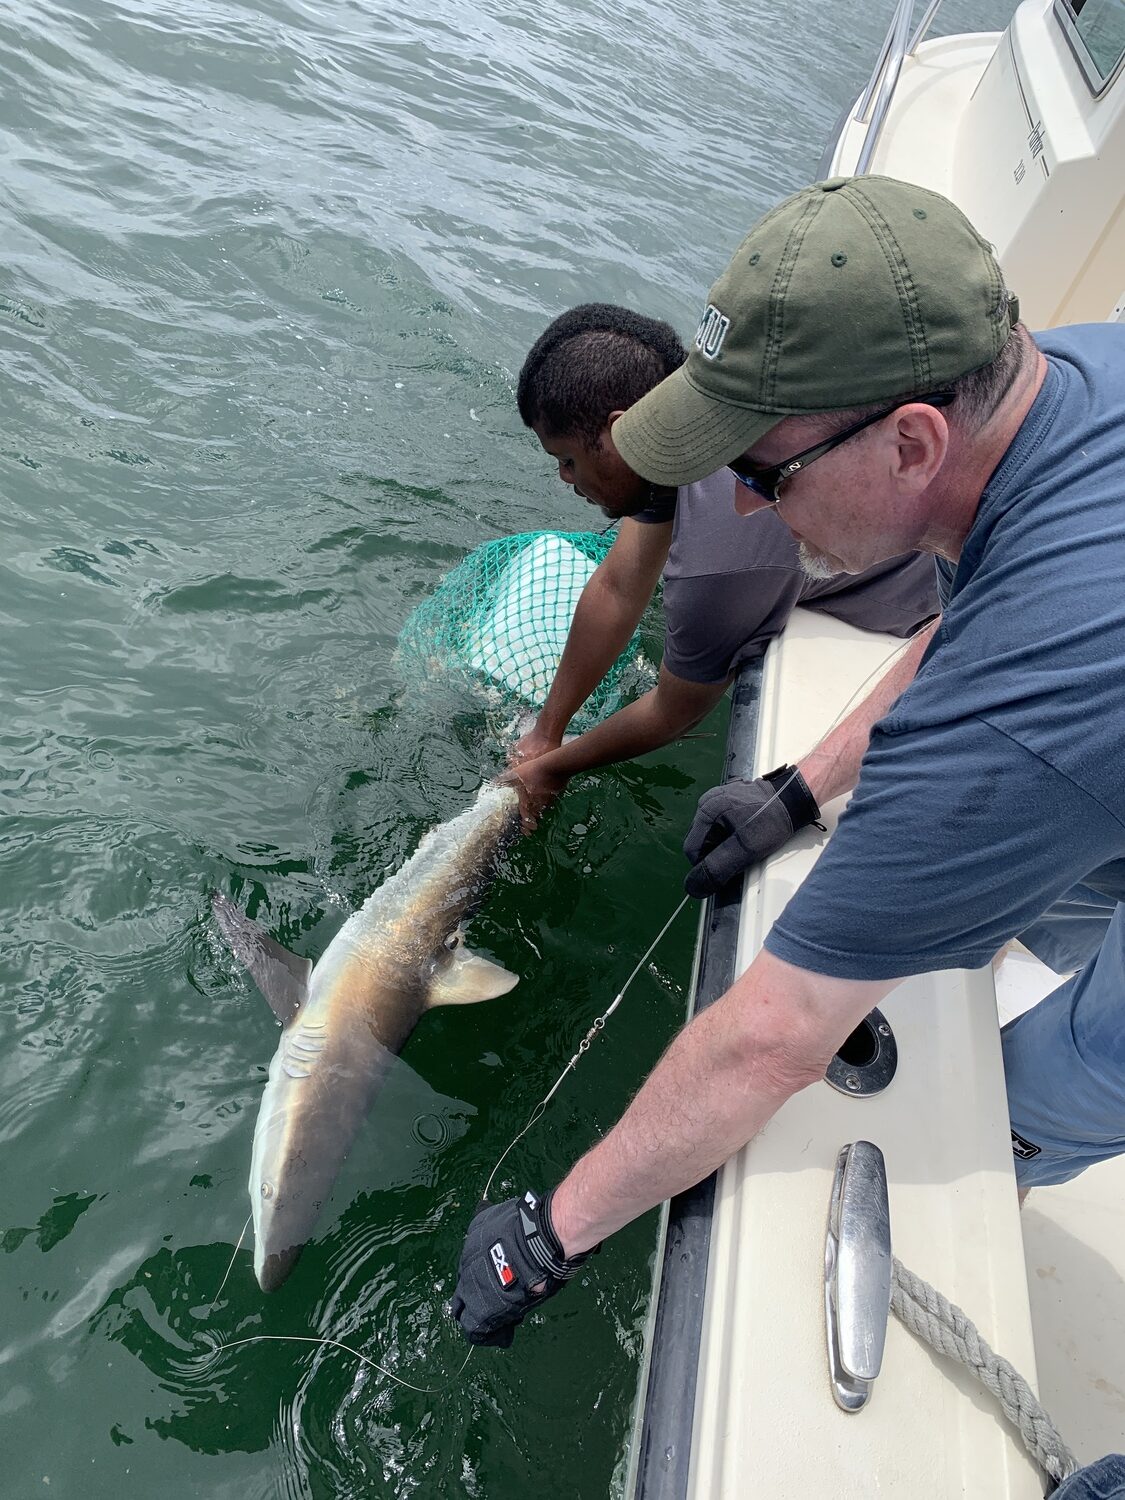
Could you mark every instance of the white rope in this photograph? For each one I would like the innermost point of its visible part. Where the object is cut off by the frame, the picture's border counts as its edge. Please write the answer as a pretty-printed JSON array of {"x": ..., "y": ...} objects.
[{"x": 932, "y": 1317}]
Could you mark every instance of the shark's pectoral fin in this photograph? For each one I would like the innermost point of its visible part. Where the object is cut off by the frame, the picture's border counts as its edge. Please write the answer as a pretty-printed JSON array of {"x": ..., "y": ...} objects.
[
  {"x": 281, "y": 976},
  {"x": 468, "y": 977}
]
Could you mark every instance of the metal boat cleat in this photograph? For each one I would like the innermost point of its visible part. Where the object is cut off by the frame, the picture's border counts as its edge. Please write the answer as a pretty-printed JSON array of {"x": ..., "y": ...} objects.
[{"x": 857, "y": 1273}]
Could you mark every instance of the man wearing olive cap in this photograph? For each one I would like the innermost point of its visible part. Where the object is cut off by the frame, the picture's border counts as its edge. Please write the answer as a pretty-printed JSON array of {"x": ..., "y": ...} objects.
[{"x": 861, "y": 367}]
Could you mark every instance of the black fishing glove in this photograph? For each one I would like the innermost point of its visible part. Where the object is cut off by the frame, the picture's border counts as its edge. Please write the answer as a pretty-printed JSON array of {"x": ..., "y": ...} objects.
[
  {"x": 510, "y": 1248},
  {"x": 741, "y": 823}
]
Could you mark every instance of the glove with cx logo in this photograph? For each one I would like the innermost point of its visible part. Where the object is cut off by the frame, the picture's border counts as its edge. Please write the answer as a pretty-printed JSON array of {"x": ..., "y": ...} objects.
[{"x": 511, "y": 1263}]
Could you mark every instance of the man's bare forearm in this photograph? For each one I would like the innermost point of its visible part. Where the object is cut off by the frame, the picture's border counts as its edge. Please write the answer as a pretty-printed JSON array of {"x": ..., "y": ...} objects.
[
  {"x": 719, "y": 1082},
  {"x": 833, "y": 767},
  {"x": 655, "y": 719}
]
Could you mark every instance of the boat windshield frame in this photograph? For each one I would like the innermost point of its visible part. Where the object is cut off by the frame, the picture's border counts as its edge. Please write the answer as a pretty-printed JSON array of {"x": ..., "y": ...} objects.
[{"x": 1097, "y": 79}]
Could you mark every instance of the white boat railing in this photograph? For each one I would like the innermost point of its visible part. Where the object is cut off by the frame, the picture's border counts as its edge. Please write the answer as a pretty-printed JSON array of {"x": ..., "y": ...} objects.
[{"x": 877, "y": 96}]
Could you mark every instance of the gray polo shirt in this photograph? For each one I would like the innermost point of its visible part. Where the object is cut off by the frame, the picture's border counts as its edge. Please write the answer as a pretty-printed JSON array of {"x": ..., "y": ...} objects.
[{"x": 731, "y": 582}]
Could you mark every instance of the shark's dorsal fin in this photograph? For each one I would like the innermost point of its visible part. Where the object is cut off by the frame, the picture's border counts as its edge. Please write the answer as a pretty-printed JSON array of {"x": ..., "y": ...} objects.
[
  {"x": 281, "y": 976},
  {"x": 469, "y": 977}
]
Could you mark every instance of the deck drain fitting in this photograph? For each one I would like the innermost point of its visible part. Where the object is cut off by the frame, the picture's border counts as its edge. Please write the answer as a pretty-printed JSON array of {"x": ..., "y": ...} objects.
[{"x": 867, "y": 1059}]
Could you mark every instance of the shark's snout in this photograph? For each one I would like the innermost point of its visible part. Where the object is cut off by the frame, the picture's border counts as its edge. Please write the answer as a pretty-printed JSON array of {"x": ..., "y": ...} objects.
[{"x": 276, "y": 1267}]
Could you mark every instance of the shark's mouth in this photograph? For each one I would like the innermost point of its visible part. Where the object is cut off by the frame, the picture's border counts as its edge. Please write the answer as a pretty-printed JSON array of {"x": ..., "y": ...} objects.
[{"x": 276, "y": 1267}]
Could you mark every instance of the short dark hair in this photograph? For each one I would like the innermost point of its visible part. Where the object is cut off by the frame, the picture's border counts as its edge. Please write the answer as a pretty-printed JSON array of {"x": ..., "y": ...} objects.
[{"x": 592, "y": 360}]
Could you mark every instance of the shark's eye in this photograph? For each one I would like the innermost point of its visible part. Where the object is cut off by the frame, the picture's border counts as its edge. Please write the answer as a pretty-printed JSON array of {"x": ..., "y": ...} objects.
[
  {"x": 267, "y": 1189},
  {"x": 452, "y": 940}
]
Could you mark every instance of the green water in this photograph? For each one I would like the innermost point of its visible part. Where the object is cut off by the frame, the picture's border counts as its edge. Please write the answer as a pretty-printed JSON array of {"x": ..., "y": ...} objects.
[{"x": 268, "y": 271}]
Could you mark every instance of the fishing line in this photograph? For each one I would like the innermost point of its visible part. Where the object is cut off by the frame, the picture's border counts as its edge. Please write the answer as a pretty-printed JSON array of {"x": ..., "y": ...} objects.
[
  {"x": 583, "y": 1046},
  {"x": 296, "y": 1338},
  {"x": 537, "y": 1113},
  {"x": 879, "y": 670},
  {"x": 230, "y": 1267}
]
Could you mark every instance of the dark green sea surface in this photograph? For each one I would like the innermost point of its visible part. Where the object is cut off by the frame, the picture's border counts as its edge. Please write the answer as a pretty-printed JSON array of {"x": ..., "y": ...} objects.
[{"x": 267, "y": 273}]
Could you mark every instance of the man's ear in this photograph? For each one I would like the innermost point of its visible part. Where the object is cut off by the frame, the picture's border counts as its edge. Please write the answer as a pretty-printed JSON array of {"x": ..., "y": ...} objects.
[
  {"x": 605, "y": 438},
  {"x": 922, "y": 435}
]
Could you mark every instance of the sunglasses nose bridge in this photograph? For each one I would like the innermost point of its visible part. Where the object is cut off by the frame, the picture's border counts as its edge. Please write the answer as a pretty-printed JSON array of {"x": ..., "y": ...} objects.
[{"x": 767, "y": 487}]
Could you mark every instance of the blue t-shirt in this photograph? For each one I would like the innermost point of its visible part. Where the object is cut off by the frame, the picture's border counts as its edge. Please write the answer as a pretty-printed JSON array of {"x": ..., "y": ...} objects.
[{"x": 997, "y": 781}]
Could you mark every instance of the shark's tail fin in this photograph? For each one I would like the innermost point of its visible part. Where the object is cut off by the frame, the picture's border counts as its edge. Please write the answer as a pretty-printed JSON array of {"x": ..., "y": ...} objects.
[{"x": 281, "y": 976}]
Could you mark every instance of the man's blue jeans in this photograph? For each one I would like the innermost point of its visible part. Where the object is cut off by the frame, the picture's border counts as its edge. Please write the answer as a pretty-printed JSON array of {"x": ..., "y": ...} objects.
[{"x": 1104, "y": 1480}]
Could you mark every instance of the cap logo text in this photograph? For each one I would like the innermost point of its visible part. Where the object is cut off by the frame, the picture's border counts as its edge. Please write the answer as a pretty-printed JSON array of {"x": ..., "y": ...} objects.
[{"x": 711, "y": 332}]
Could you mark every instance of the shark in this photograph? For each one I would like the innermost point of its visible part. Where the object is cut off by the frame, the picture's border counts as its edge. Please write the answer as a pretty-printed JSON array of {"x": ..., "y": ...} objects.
[{"x": 345, "y": 1017}]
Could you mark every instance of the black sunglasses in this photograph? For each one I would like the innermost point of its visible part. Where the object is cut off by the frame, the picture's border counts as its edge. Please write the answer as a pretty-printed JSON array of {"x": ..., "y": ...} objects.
[{"x": 766, "y": 480}]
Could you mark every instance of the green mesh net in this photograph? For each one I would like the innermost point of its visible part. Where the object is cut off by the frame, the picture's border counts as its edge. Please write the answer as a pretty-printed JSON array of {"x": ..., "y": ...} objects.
[{"x": 499, "y": 620}]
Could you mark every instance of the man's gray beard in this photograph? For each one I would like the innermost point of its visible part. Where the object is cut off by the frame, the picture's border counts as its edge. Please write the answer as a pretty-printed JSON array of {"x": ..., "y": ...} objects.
[{"x": 819, "y": 565}]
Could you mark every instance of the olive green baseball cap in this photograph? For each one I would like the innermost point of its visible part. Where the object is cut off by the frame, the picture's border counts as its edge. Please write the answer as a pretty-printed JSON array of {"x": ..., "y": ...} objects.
[{"x": 853, "y": 291}]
